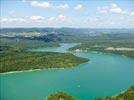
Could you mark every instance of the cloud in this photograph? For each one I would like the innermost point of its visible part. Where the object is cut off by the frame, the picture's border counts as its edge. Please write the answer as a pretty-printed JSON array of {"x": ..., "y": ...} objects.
[
  {"x": 12, "y": 20},
  {"x": 114, "y": 8},
  {"x": 62, "y": 6},
  {"x": 41, "y": 5},
  {"x": 37, "y": 18},
  {"x": 78, "y": 7},
  {"x": 62, "y": 20},
  {"x": 58, "y": 18},
  {"x": 132, "y": 14},
  {"x": 48, "y": 5}
]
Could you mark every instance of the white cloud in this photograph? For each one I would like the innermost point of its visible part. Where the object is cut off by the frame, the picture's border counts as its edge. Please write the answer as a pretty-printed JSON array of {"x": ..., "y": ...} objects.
[
  {"x": 37, "y": 18},
  {"x": 12, "y": 20},
  {"x": 52, "y": 19},
  {"x": 62, "y": 6},
  {"x": 131, "y": 14},
  {"x": 62, "y": 20},
  {"x": 78, "y": 7},
  {"x": 41, "y": 5},
  {"x": 48, "y": 5},
  {"x": 58, "y": 18},
  {"x": 4, "y": 19},
  {"x": 114, "y": 8}
]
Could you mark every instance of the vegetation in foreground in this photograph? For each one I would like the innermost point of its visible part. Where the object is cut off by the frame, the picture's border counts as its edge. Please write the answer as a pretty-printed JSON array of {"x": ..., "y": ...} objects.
[
  {"x": 61, "y": 96},
  {"x": 20, "y": 61},
  {"x": 127, "y": 95}
]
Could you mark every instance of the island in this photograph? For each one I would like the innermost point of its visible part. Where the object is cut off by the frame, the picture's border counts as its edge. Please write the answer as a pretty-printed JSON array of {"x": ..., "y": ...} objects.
[{"x": 60, "y": 96}]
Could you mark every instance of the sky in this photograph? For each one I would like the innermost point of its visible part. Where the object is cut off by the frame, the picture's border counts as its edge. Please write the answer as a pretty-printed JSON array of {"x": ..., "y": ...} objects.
[{"x": 67, "y": 13}]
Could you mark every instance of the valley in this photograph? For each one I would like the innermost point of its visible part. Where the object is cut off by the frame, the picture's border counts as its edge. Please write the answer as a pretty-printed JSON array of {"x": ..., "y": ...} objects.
[{"x": 79, "y": 55}]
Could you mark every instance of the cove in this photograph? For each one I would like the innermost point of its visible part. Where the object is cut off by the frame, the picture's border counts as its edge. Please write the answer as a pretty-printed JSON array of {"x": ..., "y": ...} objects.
[{"x": 103, "y": 75}]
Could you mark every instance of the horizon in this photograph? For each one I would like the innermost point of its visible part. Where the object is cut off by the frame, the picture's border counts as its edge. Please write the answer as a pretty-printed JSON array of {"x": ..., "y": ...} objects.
[
  {"x": 58, "y": 28},
  {"x": 73, "y": 14}
]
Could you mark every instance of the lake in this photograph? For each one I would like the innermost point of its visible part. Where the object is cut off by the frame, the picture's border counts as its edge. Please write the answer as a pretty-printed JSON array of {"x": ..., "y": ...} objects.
[{"x": 104, "y": 75}]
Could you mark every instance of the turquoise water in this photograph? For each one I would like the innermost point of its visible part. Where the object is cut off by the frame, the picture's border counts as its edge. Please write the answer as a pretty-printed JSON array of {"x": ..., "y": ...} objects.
[{"x": 103, "y": 75}]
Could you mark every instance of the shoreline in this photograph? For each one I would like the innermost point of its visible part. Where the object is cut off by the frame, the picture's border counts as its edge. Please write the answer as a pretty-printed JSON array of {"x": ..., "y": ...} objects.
[
  {"x": 119, "y": 49},
  {"x": 13, "y": 72},
  {"x": 101, "y": 52}
]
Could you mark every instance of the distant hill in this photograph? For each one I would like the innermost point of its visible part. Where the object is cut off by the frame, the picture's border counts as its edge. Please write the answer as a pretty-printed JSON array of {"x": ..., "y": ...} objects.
[
  {"x": 66, "y": 34},
  {"x": 66, "y": 30}
]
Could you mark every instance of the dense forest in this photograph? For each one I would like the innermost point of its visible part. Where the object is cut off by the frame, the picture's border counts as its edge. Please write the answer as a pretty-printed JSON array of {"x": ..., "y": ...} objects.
[{"x": 20, "y": 60}]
